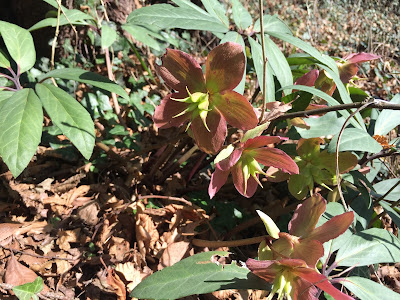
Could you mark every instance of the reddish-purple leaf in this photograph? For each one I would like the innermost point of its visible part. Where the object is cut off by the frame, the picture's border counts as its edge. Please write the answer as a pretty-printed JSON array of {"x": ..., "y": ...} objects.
[
  {"x": 166, "y": 111},
  {"x": 180, "y": 70},
  {"x": 332, "y": 228},
  {"x": 218, "y": 179},
  {"x": 209, "y": 141},
  {"x": 236, "y": 109},
  {"x": 306, "y": 216},
  {"x": 266, "y": 269},
  {"x": 262, "y": 141},
  {"x": 360, "y": 57},
  {"x": 308, "y": 79},
  {"x": 275, "y": 158},
  {"x": 303, "y": 290},
  {"x": 224, "y": 67}
]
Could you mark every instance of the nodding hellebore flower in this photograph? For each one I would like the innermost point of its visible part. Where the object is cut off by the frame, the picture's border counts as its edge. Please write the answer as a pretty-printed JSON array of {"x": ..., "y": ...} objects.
[
  {"x": 289, "y": 261},
  {"x": 244, "y": 164},
  {"x": 347, "y": 70},
  {"x": 207, "y": 102}
]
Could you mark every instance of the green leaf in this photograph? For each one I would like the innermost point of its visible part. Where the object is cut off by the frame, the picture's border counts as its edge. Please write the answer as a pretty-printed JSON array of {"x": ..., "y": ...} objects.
[
  {"x": 20, "y": 129},
  {"x": 256, "y": 53},
  {"x": 141, "y": 34},
  {"x": 167, "y": 16},
  {"x": 241, "y": 16},
  {"x": 68, "y": 115},
  {"x": 196, "y": 275},
  {"x": 4, "y": 62},
  {"x": 75, "y": 17},
  {"x": 384, "y": 186},
  {"x": 279, "y": 64},
  {"x": 29, "y": 290},
  {"x": 388, "y": 119},
  {"x": 4, "y": 95},
  {"x": 224, "y": 153},
  {"x": 394, "y": 215},
  {"x": 216, "y": 9},
  {"x": 252, "y": 133},
  {"x": 19, "y": 44},
  {"x": 272, "y": 23},
  {"x": 368, "y": 247},
  {"x": 86, "y": 77},
  {"x": 306, "y": 47},
  {"x": 233, "y": 36},
  {"x": 366, "y": 289},
  {"x": 108, "y": 36},
  {"x": 331, "y": 101},
  {"x": 354, "y": 139},
  {"x": 328, "y": 124}
]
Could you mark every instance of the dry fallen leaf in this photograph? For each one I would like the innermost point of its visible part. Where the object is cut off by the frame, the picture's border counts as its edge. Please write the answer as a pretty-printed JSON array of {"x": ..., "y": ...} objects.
[
  {"x": 173, "y": 253},
  {"x": 66, "y": 237},
  {"x": 116, "y": 283}
]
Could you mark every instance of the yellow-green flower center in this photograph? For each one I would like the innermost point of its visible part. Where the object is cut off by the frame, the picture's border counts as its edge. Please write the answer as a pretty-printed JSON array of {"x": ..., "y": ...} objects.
[
  {"x": 250, "y": 167},
  {"x": 198, "y": 104}
]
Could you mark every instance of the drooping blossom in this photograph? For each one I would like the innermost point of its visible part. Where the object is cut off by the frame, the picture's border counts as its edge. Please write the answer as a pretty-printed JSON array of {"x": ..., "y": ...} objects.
[
  {"x": 294, "y": 279},
  {"x": 207, "y": 101},
  {"x": 304, "y": 240},
  {"x": 347, "y": 70},
  {"x": 288, "y": 262},
  {"x": 244, "y": 164}
]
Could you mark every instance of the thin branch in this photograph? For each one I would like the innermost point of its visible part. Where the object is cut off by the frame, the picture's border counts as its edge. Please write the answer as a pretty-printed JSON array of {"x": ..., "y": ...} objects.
[
  {"x": 307, "y": 113},
  {"x": 260, "y": 3},
  {"x": 337, "y": 152}
]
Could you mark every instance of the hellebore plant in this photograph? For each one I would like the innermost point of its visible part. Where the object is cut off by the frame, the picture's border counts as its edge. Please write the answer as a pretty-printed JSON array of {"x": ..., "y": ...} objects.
[
  {"x": 288, "y": 260},
  {"x": 347, "y": 70},
  {"x": 206, "y": 102},
  {"x": 244, "y": 164},
  {"x": 316, "y": 166}
]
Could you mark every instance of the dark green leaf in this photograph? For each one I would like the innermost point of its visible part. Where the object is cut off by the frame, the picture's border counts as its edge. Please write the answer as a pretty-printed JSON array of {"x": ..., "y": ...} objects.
[
  {"x": 241, "y": 16},
  {"x": 354, "y": 139},
  {"x": 196, "y": 275},
  {"x": 108, "y": 36},
  {"x": 29, "y": 290},
  {"x": 368, "y": 247},
  {"x": 20, "y": 129},
  {"x": 328, "y": 124},
  {"x": 86, "y": 77},
  {"x": 366, "y": 289},
  {"x": 279, "y": 65},
  {"x": 19, "y": 44},
  {"x": 272, "y": 23},
  {"x": 388, "y": 119},
  {"x": 69, "y": 115},
  {"x": 167, "y": 16},
  {"x": 216, "y": 9},
  {"x": 141, "y": 34},
  {"x": 384, "y": 186}
]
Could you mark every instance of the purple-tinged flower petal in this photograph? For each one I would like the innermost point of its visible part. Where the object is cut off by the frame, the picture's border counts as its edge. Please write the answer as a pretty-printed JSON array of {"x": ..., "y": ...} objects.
[
  {"x": 236, "y": 109},
  {"x": 303, "y": 290},
  {"x": 332, "y": 228},
  {"x": 239, "y": 181},
  {"x": 354, "y": 58},
  {"x": 266, "y": 269},
  {"x": 166, "y": 111},
  {"x": 180, "y": 70},
  {"x": 224, "y": 67},
  {"x": 320, "y": 281},
  {"x": 275, "y": 158},
  {"x": 308, "y": 250},
  {"x": 306, "y": 216},
  {"x": 262, "y": 141},
  {"x": 218, "y": 179},
  {"x": 231, "y": 160},
  {"x": 308, "y": 79},
  {"x": 209, "y": 141}
]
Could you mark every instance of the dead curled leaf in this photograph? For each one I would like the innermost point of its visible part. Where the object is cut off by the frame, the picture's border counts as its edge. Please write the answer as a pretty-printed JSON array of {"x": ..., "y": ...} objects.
[
  {"x": 115, "y": 282},
  {"x": 173, "y": 253}
]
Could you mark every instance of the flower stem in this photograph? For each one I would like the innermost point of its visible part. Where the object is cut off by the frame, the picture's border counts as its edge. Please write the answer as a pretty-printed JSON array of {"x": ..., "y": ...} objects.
[{"x": 260, "y": 2}]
